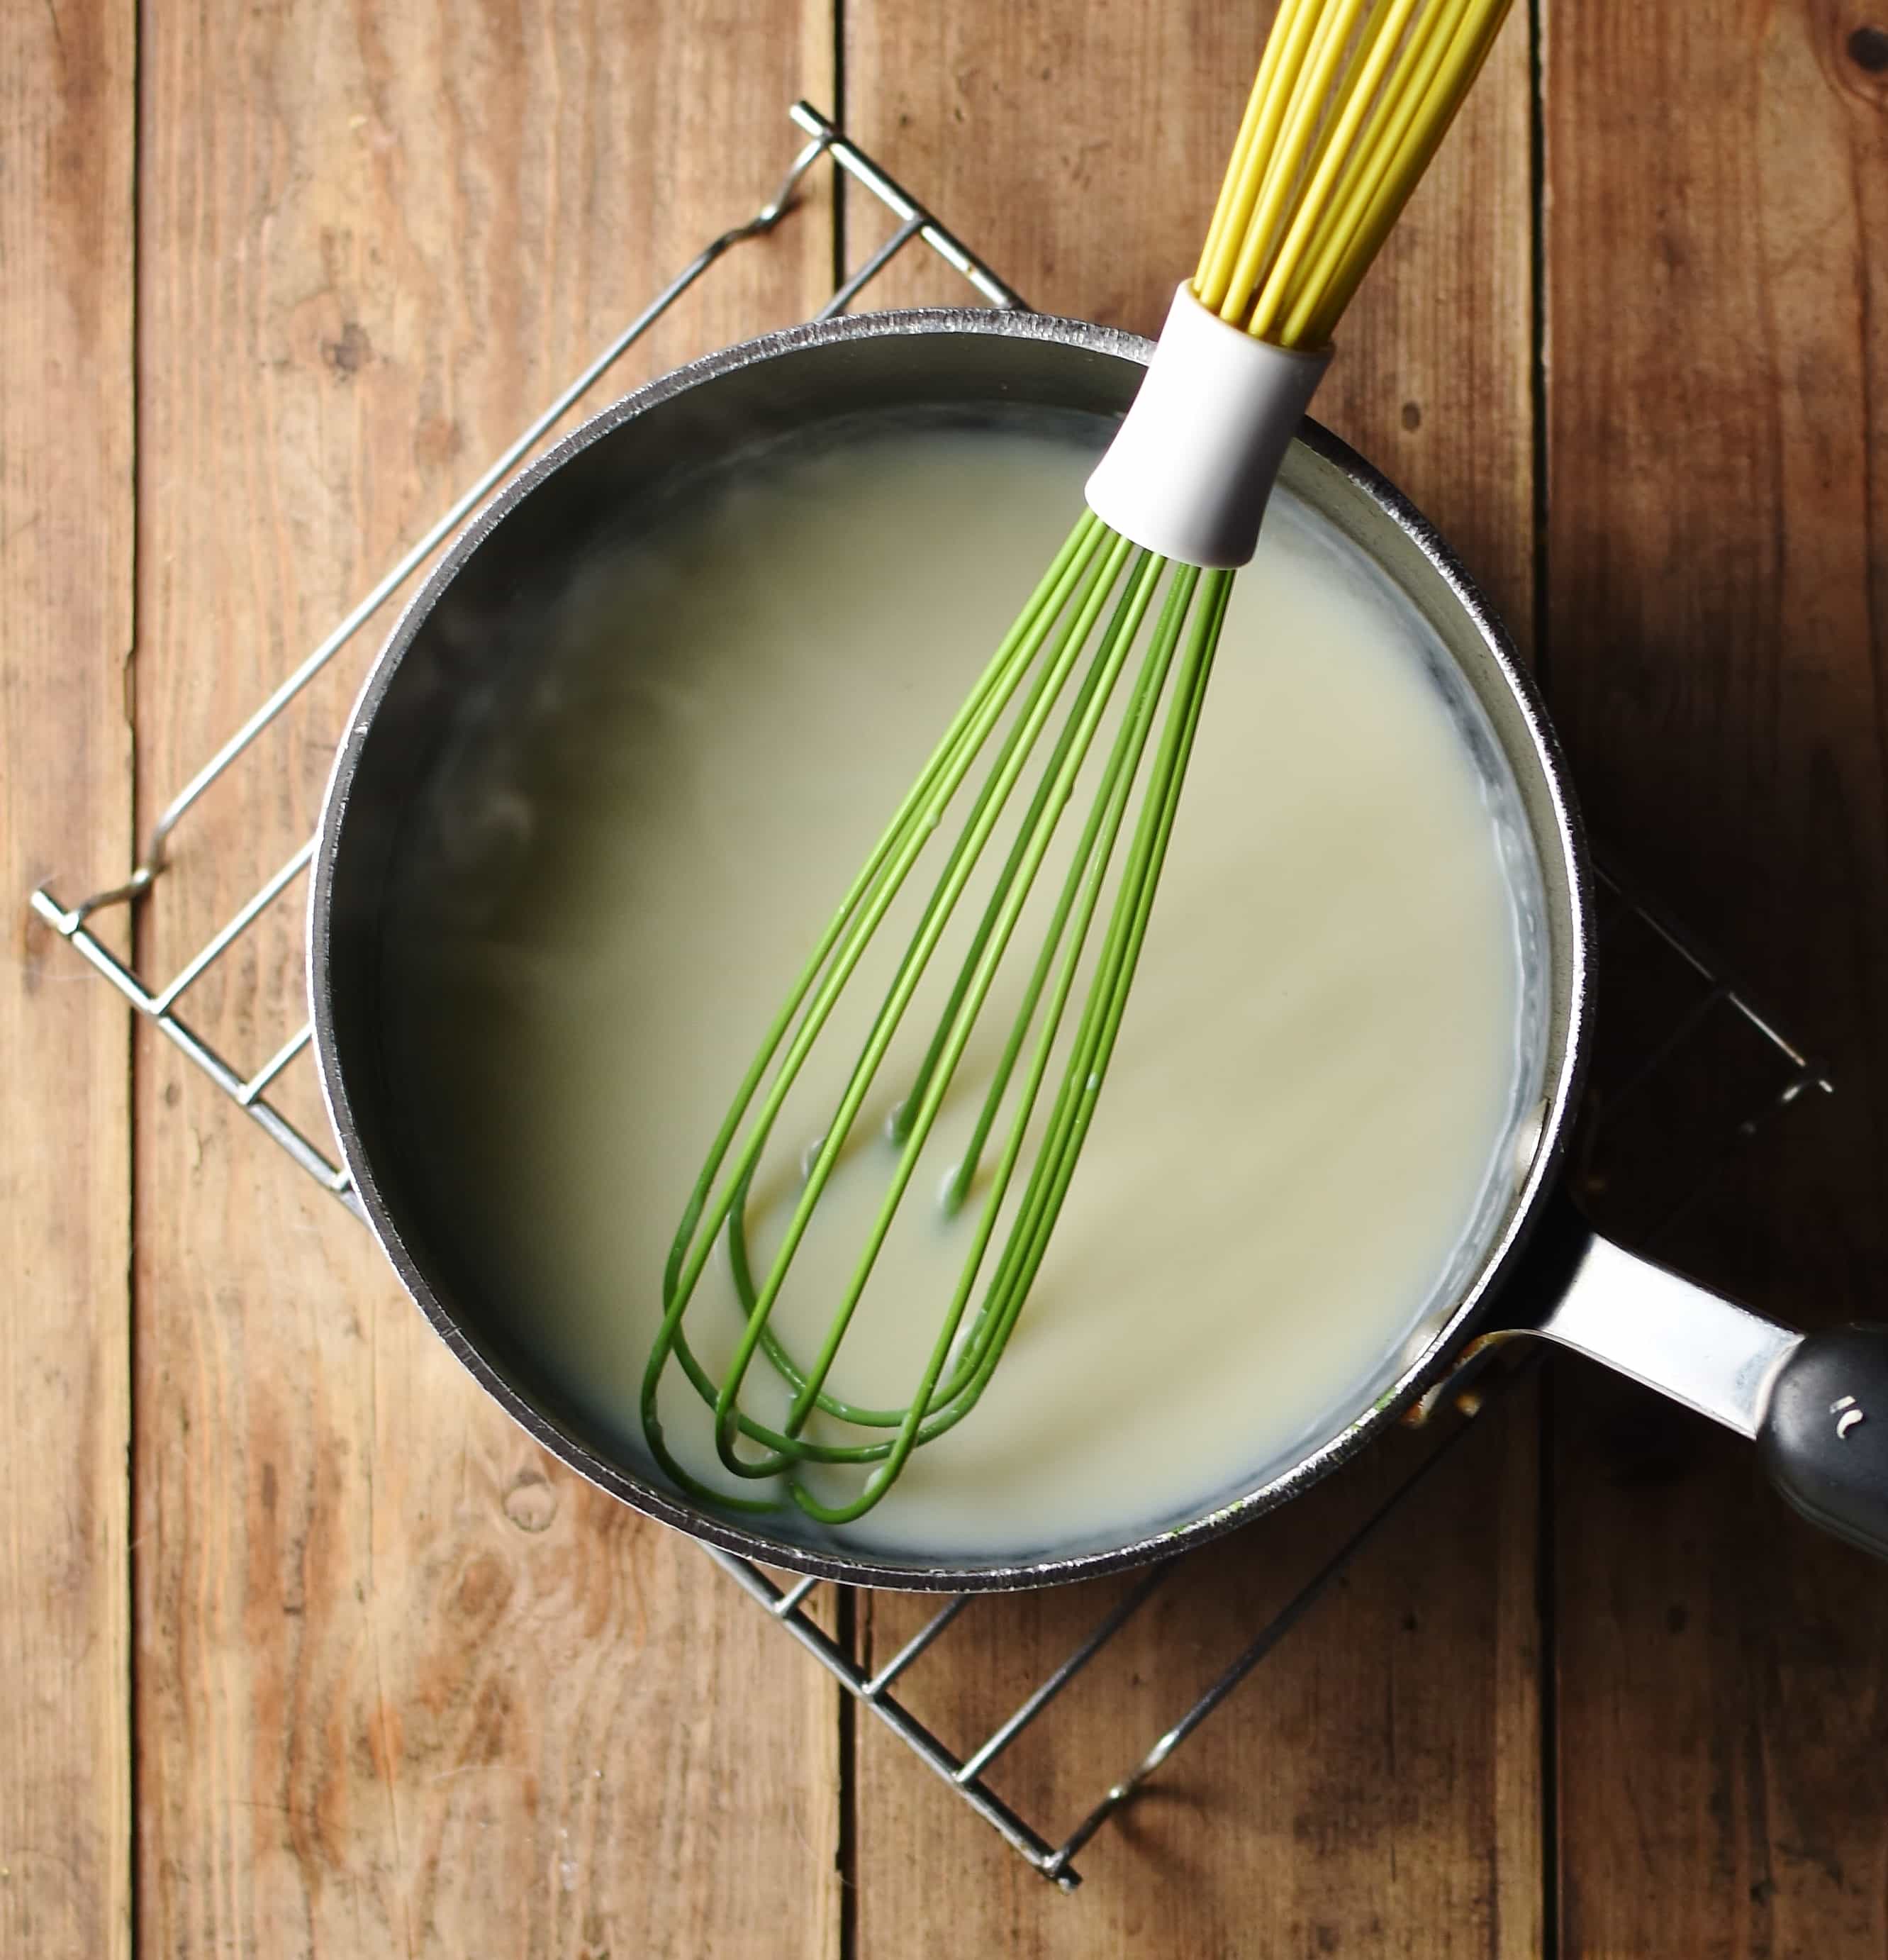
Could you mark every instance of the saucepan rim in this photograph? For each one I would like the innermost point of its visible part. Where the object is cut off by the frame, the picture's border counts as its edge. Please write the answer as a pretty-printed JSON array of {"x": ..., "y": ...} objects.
[{"x": 1420, "y": 1371}]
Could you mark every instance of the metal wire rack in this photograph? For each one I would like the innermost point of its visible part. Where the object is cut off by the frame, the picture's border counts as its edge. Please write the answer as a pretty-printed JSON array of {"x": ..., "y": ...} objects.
[{"x": 1699, "y": 1008}]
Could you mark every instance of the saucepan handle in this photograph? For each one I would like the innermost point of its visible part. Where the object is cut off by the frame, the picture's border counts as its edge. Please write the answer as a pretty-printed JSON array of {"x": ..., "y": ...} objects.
[
  {"x": 1816, "y": 1404},
  {"x": 1824, "y": 1433}
]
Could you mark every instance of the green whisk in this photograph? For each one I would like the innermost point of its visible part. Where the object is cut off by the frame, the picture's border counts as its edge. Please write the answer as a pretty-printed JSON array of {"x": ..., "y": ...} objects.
[{"x": 1352, "y": 99}]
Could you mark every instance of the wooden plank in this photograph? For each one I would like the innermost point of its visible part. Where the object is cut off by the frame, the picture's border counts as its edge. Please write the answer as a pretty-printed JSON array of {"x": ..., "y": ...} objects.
[
  {"x": 1369, "y": 1786},
  {"x": 67, "y": 84},
  {"x": 405, "y": 1685},
  {"x": 1717, "y": 537},
  {"x": 1376, "y": 1787}
]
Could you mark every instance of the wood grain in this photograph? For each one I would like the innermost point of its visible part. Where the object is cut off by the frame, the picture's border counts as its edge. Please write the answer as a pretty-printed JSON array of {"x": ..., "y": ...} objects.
[
  {"x": 1371, "y": 1788},
  {"x": 405, "y": 1685},
  {"x": 1718, "y": 559},
  {"x": 66, "y": 109},
  {"x": 1375, "y": 1787}
]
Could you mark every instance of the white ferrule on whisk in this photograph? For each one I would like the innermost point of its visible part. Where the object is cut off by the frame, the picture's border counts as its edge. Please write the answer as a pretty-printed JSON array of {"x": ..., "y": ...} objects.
[{"x": 1191, "y": 470}]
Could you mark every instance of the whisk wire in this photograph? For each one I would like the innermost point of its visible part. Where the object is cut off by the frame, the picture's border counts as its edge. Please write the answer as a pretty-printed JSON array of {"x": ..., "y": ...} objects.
[
  {"x": 1104, "y": 667},
  {"x": 905, "y": 1117},
  {"x": 933, "y": 1411},
  {"x": 1100, "y": 1024},
  {"x": 1314, "y": 297},
  {"x": 930, "y": 1411},
  {"x": 1068, "y": 646},
  {"x": 1306, "y": 93},
  {"x": 871, "y": 892},
  {"x": 1256, "y": 150},
  {"x": 1351, "y": 100},
  {"x": 1377, "y": 43},
  {"x": 1465, "y": 53},
  {"x": 939, "y": 1404}
]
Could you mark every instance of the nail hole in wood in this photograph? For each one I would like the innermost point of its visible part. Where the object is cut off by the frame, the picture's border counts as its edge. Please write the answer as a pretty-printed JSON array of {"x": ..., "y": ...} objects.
[{"x": 1868, "y": 49}]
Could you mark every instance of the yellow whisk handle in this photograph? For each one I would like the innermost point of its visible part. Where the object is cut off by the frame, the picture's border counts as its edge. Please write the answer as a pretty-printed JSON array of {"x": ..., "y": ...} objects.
[{"x": 1352, "y": 99}]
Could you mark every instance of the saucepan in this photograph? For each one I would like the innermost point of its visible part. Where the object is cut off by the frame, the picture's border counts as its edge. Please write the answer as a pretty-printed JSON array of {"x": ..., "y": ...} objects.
[{"x": 1816, "y": 1404}]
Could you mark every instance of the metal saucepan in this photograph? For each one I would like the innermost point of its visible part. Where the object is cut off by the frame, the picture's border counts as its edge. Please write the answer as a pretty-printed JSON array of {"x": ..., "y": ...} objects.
[{"x": 1816, "y": 1404}]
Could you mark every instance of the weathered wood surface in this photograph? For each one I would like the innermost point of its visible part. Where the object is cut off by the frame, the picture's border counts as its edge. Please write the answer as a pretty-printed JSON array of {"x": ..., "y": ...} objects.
[
  {"x": 1717, "y": 561},
  {"x": 67, "y": 105},
  {"x": 405, "y": 1685}
]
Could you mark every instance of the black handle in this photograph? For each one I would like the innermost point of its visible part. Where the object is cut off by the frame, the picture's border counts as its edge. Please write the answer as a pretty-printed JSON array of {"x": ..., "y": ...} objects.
[{"x": 1824, "y": 1436}]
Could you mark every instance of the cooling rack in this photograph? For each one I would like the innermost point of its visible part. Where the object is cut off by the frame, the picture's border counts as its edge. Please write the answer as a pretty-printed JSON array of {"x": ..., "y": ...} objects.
[{"x": 1703, "y": 1021}]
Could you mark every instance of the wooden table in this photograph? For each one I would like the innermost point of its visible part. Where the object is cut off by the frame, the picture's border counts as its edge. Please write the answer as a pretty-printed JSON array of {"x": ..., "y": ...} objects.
[{"x": 303, "y": 1649}]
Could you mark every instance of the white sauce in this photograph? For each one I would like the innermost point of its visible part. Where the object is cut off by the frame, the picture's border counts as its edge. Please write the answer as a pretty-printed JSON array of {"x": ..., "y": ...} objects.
[{"x": 1311, "y": 1089}]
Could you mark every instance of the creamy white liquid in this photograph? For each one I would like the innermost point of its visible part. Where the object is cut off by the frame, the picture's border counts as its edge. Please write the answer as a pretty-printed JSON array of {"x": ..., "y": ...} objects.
[{"x": 1314, "y": 1083}]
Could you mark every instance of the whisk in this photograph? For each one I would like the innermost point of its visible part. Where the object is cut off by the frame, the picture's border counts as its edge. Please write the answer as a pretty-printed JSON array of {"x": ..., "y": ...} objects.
[{"x": 1351, "y": 100}]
